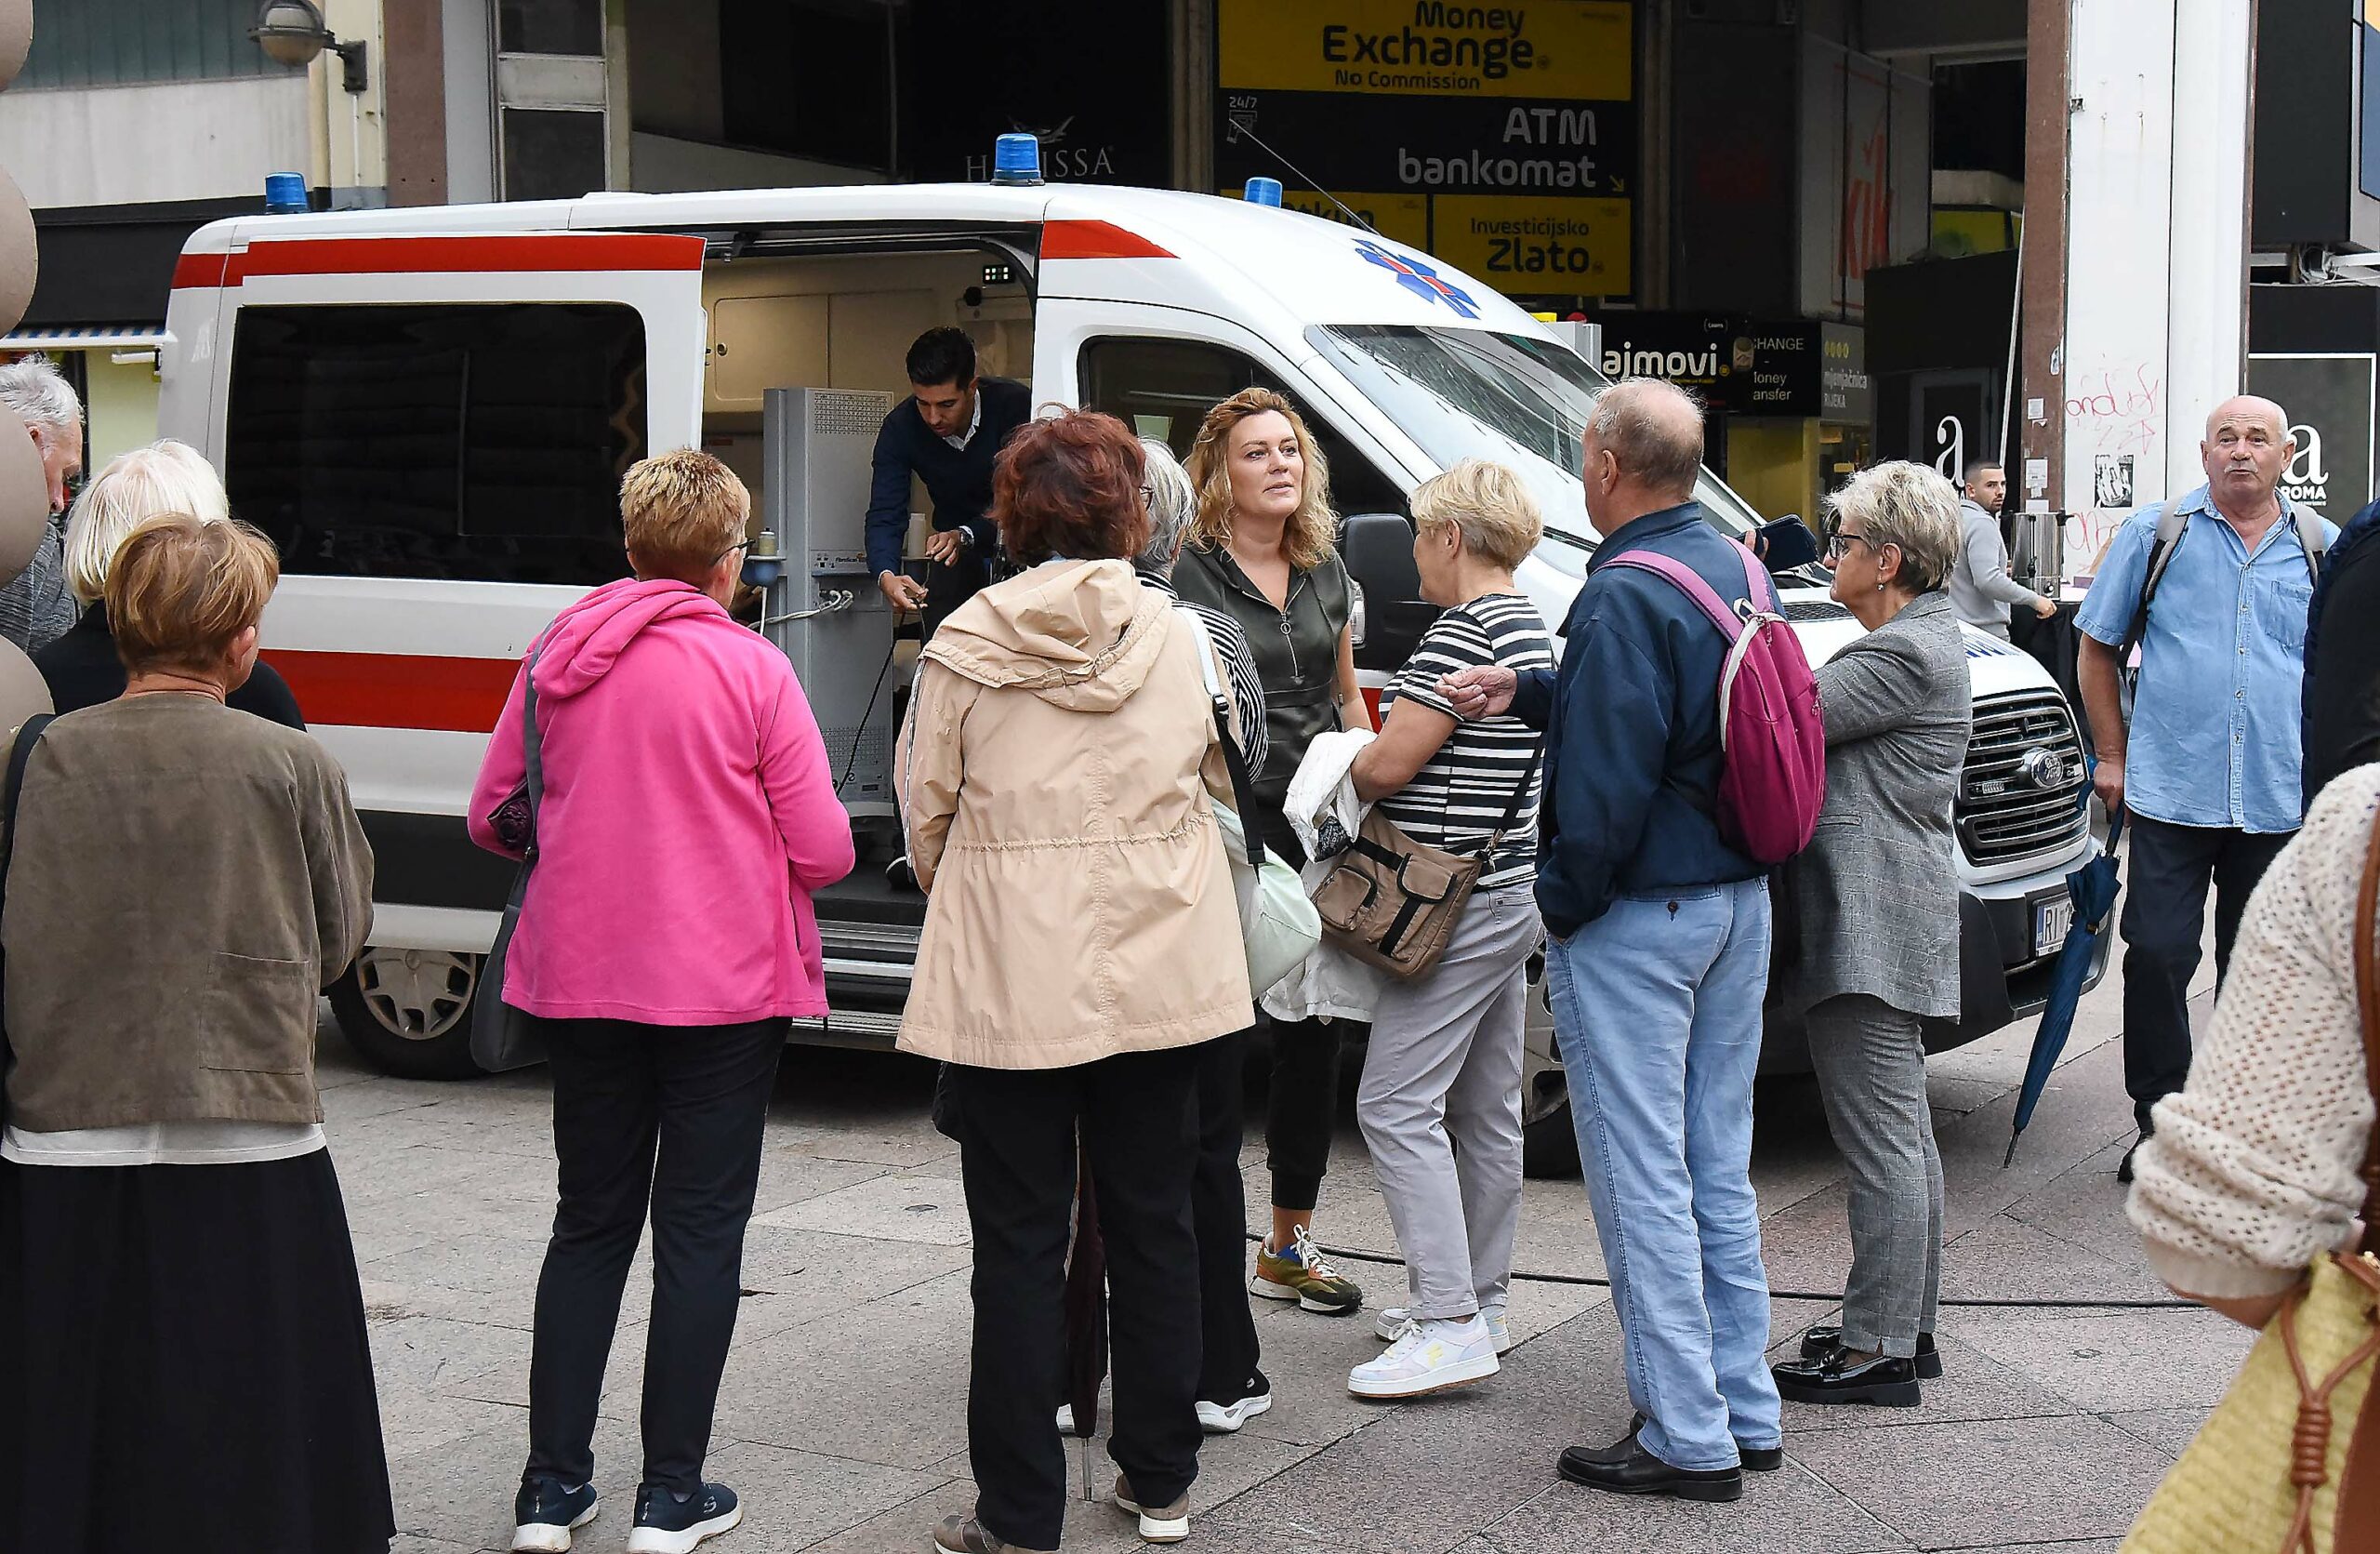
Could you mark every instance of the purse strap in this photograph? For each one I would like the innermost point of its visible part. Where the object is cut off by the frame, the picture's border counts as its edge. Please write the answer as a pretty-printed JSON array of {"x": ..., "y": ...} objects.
[
  {"x": 2367, "y": 994},
  {"x": 1235, "y": 763},
  {"x": 1520, "y": 797},
  {"x": 532, "y": 750}
]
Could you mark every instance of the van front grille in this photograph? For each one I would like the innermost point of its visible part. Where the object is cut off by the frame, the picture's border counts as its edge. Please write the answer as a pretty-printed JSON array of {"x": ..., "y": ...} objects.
[{"x": 2020, "y": 794}]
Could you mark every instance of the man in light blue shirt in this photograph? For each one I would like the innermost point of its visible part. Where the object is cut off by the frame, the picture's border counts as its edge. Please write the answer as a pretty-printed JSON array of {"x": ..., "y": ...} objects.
[{"x": 2208, "y": 772}]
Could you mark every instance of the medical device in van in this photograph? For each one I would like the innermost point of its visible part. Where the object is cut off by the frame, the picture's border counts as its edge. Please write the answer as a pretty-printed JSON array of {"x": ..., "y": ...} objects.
[{"x": 429, "y": 409}]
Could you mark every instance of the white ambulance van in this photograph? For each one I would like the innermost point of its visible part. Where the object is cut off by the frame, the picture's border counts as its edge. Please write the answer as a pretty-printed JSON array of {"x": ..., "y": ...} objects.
[{"x": 430, "y": 410}]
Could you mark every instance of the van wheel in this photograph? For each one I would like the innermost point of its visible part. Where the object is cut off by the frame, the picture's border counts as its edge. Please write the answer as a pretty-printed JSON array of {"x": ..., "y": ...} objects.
[
  {"x": 1549, "y": 1144},
  {"x": 409, "y": 1012}
]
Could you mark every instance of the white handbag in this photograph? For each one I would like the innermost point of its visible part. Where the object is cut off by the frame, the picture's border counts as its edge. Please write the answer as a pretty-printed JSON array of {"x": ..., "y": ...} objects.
[{"x": 1277, "y": 923}]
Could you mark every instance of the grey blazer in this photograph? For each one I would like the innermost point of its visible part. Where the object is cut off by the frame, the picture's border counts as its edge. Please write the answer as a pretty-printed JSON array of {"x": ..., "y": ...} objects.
[{"x": 1875, "y": 896}]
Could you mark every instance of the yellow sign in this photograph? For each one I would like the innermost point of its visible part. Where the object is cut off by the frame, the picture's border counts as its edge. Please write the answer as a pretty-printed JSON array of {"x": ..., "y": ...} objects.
[
  {"x": 1400, "y": 218},
  {"x": 1531, "y": 49},
  {"x": 1536, "y": 245}
]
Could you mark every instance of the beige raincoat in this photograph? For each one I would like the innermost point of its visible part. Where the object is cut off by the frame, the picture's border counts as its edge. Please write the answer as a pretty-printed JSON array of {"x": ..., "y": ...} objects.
[{"x": 1054, "y": 775}]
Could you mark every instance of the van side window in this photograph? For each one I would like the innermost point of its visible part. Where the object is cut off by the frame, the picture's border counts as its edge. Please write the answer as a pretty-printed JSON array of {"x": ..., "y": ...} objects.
[
  {"x": 1163, "y": 388},
  {"x": 483, "y": 441}
]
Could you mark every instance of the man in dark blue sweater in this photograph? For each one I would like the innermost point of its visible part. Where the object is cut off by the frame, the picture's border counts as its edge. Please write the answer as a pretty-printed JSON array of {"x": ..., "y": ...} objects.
[
  {"x": 946, "y": 433},
  {"x": 1657, "y": 961},
  {"x": 2342, "y": 692}
]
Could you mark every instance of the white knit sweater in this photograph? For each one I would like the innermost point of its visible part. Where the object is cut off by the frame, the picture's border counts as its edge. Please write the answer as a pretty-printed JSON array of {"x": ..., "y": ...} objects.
[{"x": 2254, "y": 1169}]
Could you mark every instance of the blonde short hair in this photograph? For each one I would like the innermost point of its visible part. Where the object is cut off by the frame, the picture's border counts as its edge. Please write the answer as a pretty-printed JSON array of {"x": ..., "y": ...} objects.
[
  {"x": 182, "y": 589},
  {"x": 1908, "y": 505},
  {"x": 1498, "y": 518},
  {"x": 1307, "y": 541},
  {"x": 681, "y": 511},
  {"x": 166, "y": 476}
]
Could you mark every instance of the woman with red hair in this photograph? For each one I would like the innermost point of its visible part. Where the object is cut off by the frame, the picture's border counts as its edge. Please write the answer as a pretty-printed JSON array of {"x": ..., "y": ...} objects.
[{"x": 1081, "y": 941}]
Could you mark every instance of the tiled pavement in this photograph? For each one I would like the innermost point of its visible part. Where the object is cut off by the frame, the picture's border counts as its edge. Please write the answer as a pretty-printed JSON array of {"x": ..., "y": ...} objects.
[{"x": 842, "y": 1420}]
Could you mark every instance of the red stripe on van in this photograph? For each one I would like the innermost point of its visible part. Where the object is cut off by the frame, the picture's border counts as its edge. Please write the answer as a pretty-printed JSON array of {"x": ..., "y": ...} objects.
[
  {"x": 200, "y": 269},
  {"x": 417, "y": 255},
  {"x": 1095, "y": 240},
  {"x": 391, "y": 690}
]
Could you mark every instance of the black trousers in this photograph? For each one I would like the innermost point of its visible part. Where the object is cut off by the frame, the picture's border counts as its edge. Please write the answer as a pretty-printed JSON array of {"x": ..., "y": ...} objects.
[
  {"x": 1016, "y": 1154},
  {"x": 672, "y": 1116},
  {"x": 2164, "y": 917},
  {"x": 1228, "y": 1346},
  {"x": 1301, "y": 1104}
]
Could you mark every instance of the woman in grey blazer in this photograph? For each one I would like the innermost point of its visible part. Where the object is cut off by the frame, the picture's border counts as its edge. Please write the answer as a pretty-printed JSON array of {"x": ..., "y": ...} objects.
[{"x": 1876, "y": 897}]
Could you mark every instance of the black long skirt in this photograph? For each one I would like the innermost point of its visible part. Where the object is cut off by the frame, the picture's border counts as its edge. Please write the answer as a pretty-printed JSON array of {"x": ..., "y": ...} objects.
[{"x": 183, "y": 1363}]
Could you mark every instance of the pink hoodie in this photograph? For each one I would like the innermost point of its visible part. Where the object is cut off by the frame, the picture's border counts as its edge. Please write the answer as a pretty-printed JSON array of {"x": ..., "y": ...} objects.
[{"x": 688, "y": 814}]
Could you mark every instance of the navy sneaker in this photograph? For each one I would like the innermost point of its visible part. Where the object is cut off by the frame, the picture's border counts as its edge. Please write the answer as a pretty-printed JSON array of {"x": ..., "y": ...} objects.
[
  {"x": 666, "y": 1524},
  {"x": 546, "y": 1511}
]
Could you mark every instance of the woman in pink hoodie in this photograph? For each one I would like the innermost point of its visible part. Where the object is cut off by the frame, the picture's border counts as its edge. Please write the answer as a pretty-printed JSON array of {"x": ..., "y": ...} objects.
[{"x": 687, "y": 811}]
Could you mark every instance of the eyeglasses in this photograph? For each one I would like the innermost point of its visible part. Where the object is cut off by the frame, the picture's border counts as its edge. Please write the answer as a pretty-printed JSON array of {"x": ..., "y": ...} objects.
[
  {"x": 739, "y": 545},
  {"x": 1839, "y": 543}
]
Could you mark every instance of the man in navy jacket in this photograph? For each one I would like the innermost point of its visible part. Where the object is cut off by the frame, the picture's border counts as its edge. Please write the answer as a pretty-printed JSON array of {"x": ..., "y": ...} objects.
[
  {"x": 2341, "y": 694},
  {"x": 1657, "y": 961},
  {"x": 946, "y": 433}
]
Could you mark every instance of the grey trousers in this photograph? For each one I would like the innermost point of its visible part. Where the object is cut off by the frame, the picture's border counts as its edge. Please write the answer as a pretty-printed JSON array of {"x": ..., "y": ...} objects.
[
  {"x": 1443, "y": 1073},
  {"x": 1870, "y": 1062}
]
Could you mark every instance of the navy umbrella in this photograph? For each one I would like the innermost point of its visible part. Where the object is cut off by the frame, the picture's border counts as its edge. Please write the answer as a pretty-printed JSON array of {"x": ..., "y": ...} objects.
[{"x": 2092, "y": 890}]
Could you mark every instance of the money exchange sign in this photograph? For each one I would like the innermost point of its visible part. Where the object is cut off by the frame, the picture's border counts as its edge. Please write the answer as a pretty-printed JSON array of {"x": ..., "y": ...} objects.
[{"x": 1501, "y": 138}]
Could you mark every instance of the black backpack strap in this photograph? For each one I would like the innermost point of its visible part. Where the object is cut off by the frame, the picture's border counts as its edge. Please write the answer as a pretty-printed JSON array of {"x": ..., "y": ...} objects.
[
  {"x": 2172, "y": 524},
  {"x": 531, "y": 746},
  {"x": 19, "y": 752},
  {"x": 1520, "y": 797}
]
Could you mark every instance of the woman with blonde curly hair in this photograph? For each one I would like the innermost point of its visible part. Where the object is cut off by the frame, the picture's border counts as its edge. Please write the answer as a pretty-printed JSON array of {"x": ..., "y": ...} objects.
[{"x": 1262, "y": 550}]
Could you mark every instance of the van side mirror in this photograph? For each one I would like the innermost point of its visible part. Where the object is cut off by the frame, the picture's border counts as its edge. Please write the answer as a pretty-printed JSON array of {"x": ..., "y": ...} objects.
[{"x": 1378, "y": 548}]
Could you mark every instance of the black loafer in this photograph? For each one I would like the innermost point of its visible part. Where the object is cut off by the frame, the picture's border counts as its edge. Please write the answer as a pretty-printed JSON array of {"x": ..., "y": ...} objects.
[
  {"x": 1755, "y": 1459},
  {"x": 1819, "y": 1342},
  {"x": 1888, "y": 1380},
  {"x": 1627, "y": 1469}
]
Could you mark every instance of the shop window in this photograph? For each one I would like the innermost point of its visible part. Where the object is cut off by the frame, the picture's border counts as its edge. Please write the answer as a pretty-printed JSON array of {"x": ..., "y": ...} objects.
[
  {"x": 469, "y": 441},
  {"x": 1164, "y": 388}
]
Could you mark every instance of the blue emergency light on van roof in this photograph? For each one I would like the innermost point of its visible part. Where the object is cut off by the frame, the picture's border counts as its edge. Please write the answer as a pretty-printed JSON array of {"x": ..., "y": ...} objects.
[
  {"x": 285, "y": 194},
  {"x": 1264, "y": 191},
  {"x": 1016, "y": 159}
]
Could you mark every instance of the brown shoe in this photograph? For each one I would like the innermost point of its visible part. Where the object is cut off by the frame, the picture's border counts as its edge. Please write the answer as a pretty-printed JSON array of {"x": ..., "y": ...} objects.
[
  {"x": 1158, "y": 1523},
  {"x": 964, "y": 1534}
]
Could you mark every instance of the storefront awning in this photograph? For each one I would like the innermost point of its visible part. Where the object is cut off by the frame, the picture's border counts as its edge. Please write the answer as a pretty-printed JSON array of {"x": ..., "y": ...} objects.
[{"x": 89, "y": 337}]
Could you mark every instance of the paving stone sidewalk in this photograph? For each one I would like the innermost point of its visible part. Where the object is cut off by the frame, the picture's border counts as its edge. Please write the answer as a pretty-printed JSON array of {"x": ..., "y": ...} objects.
[{"x": 843, "y": 1418}]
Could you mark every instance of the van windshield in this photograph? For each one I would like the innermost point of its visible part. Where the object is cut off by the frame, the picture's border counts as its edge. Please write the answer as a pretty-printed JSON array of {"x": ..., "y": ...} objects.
[{"x": 1468, "y": 394}]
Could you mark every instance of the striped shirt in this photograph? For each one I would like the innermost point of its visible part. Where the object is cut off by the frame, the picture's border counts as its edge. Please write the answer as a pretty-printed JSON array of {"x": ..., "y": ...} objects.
[
  {"x": 1457, "y": 800},
  {"x": 1239, "y": 671}
]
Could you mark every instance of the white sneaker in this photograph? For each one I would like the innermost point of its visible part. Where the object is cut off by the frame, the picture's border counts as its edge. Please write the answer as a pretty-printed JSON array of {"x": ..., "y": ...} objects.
[
  {"x": 1158, "y": 1523},
  {"x": 1391, "y": 1325},
  {"x": 1227, "y": 1418},
  {"x": 1428, "y": 1356}
]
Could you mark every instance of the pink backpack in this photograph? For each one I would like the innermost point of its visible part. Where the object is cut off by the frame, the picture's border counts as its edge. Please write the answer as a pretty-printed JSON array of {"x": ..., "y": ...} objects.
[{"x": 1771, "y": 780}]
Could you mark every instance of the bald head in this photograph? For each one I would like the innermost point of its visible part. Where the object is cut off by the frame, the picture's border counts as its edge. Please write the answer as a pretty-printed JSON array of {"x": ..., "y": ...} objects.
[
  {"x": 2248, "y": 410},
  {"x": 2247, "y": 448},
  {"x": 1651, "y": 432}
]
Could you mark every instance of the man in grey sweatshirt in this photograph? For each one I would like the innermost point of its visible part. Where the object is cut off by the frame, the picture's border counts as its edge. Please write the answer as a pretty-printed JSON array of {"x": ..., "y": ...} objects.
[{"x": 1981, "y": 590}]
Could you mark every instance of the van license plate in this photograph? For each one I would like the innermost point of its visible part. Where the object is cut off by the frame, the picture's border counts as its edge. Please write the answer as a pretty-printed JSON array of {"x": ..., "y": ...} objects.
[{"x": 2052, "y": 920}]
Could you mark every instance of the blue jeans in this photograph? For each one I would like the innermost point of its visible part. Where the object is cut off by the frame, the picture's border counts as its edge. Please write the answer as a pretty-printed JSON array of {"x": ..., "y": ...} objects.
[{"x": 1657, "y": 1009}]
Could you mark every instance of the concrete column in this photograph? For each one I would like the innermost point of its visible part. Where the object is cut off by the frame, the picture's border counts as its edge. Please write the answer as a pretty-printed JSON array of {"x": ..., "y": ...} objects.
[
  {"x": 416, "y": 64},
  {"x": 2042, "y": 297},
  {"x": 2156, "y": 249}
]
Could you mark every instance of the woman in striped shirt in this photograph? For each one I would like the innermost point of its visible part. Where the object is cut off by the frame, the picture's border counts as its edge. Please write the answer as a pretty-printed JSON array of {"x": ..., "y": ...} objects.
[{"x": 1444, "y": 1069}]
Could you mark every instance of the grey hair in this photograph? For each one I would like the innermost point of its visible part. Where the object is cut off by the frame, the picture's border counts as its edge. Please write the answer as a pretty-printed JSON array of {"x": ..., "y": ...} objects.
[
  {"x": 38, "y": 394},
  {"x": 1629, "y": 423},
  {"x": 1173, "y": 507},
  {"x": 1907, "y": 505}
]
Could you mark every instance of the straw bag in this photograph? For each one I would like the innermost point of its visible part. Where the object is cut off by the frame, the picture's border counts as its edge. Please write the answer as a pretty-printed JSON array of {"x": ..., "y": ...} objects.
[{"x": 2289, "y": 1462}]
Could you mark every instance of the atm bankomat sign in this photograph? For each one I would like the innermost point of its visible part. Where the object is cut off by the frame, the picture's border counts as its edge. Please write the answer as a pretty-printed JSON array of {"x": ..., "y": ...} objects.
[{"x": 1501, "y": 138}]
